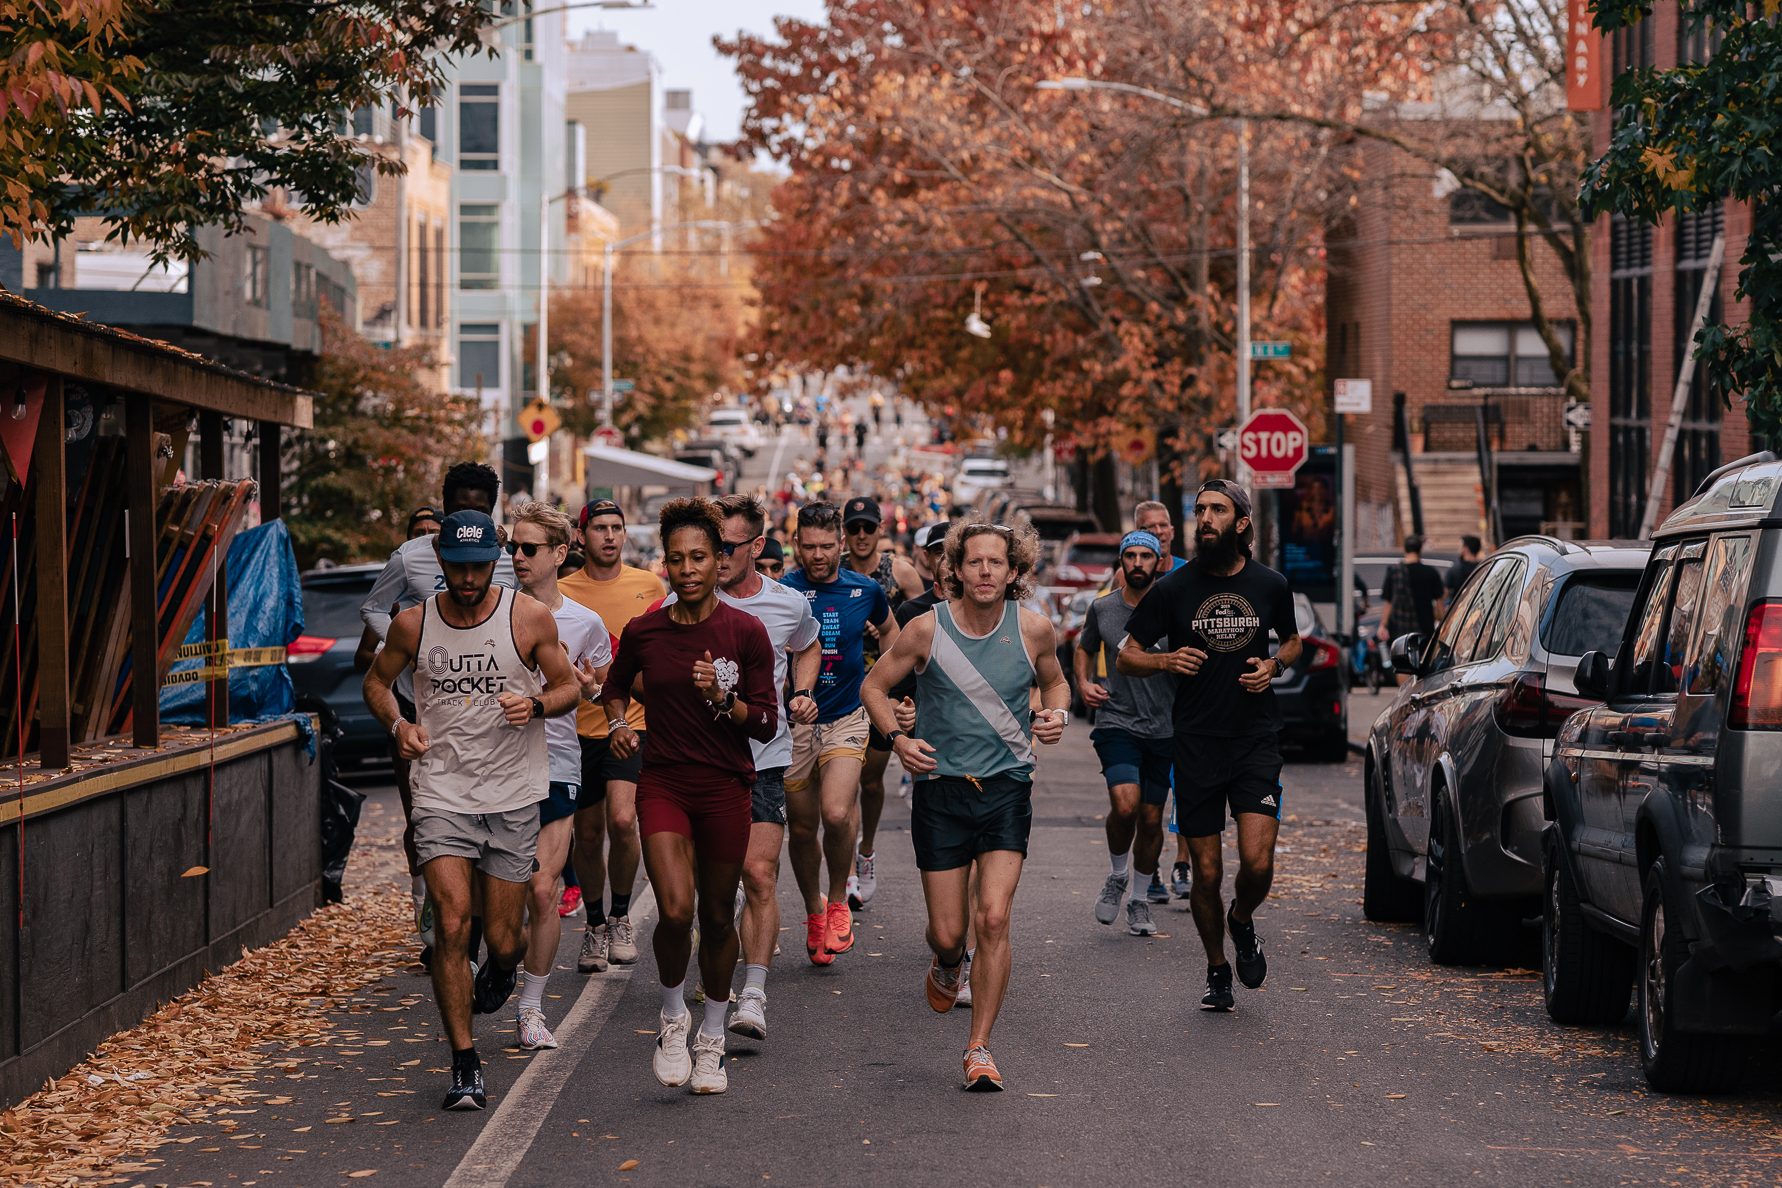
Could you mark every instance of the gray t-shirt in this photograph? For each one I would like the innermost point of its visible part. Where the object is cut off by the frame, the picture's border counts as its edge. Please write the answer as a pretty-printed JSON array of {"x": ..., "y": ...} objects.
[{"x": 1138, "y": 705}]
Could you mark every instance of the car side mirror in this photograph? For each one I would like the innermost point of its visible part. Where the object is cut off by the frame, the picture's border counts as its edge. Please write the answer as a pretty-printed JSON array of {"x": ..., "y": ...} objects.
[
  {"x": 1593, "y": 676},
  {"x": 1407, "y": 652}
]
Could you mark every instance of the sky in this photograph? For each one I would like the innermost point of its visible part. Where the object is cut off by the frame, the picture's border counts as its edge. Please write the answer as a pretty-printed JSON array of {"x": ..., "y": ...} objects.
[{"x": 679, "y": 33}]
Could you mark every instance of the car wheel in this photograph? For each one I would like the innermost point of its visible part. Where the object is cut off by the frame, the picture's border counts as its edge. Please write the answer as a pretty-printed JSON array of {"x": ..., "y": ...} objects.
[
  {"x": 1385, "y": 897},
  {"x": 1675, "y": 1062},
  {"x": 1457, "y": 928},
  {"x": 1586, "y": 975}
]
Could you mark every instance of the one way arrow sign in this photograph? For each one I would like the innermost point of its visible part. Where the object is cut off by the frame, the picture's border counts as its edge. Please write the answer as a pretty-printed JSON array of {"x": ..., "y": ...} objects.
[{"x": 1577, "y": 417}]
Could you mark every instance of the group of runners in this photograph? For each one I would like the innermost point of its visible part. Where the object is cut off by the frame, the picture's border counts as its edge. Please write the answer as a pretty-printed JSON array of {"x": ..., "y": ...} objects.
[{"x": 515, "y": 692}]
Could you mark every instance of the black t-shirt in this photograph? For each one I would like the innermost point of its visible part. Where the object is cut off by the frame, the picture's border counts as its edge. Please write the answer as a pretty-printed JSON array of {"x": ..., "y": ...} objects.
[
  {"x": 1457, "y": 574},
  {"x": 1228, "y": 618},
  {"x": 1423, "y": 586},
  {"x": 921, "y": 604}
]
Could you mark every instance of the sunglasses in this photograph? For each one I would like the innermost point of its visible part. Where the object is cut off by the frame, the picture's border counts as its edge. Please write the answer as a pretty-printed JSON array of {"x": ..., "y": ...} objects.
[
  {"x": 729, "y": 547},
  {"x": 862, "y": 528},
  {"x": 530, "y": 548}
]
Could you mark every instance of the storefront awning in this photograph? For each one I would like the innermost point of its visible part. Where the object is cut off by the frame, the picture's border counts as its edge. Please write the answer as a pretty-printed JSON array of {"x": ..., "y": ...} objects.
[{"x": 609, "y": 466}]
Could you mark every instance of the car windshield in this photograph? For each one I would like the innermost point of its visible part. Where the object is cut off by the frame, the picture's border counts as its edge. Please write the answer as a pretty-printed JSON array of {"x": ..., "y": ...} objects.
[
  {"x": 1092, "y": 554},
  {"x": 727, "y": 416},
  {"x": 1591, "y": 613},
  {"x": 1052, "y": 531},
  {"x": 332, "y": 607}
]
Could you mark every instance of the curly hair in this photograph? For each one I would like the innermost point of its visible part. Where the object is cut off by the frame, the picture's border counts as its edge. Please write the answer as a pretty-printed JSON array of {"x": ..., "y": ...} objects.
[
  {"x": 1023, "y": 546},
  {"x": 692, "y": 513},
  {"x": 553, "y": 523},
  {"x": 470, "y": 476}
]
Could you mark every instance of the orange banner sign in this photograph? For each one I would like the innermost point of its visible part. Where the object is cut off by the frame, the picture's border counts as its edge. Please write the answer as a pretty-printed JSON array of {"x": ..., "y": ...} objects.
[{"x": 1583, "y": 59}]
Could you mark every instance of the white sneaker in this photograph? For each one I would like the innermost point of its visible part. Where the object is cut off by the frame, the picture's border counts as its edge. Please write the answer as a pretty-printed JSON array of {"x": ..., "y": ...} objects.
[
  {"x": 708, "y": 1064},
  {"x": 671, "y": 1064},
  {"x": 594, "y": 949},
  {"x": 534, "y": 1035},
  {"x": 964, "y": 998},
  {"x": 750, "y": 1016},
  {"x": 622, "y": 947},
  {"x": 866, "y": 871},
  {"x": 424, "y": 920},
  {"x": 855, "y": 903}
]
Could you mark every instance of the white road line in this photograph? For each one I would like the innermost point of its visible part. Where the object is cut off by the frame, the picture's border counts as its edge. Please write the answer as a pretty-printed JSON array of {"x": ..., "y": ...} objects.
[
  {"x": 773, "y": 467},
  {"x": 508, "y": 1134}
]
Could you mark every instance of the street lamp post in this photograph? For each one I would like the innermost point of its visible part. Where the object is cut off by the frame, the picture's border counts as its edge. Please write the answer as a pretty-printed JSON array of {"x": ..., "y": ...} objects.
[{"x": 1243, "y": 227}]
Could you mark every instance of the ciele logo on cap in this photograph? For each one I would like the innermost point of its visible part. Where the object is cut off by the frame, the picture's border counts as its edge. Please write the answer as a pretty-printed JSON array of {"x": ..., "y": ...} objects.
[{"x": 470, "y": 532}]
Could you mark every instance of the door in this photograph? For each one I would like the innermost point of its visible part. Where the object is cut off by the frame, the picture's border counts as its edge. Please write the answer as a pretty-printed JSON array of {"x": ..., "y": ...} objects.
[{"x": 1608, "y": 743}]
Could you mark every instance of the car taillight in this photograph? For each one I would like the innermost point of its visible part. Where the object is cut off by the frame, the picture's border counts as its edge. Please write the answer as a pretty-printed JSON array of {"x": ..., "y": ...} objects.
[
  {"x": 1528, "y": 709},
  {"x": 1757, "y": 696},
  {"x": 1324, "y": 654},
  {"x": 305, "y": 648}
]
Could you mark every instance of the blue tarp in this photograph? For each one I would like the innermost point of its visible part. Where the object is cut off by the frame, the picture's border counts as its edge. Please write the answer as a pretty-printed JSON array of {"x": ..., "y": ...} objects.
[{"x": 265, "y": 611}]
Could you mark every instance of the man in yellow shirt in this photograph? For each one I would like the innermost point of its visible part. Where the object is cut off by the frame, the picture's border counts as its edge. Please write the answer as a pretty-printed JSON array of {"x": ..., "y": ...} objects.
[{"x": 618, "y": 593}]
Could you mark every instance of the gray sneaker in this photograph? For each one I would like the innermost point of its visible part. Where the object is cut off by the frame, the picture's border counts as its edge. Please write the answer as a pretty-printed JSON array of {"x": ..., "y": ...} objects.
[
  {"x": 623, "y": 948},
  {"x": 1138, "y": 918},
  {"x": 593, "y": 957},
  {"x": 1107, "y": 908}
]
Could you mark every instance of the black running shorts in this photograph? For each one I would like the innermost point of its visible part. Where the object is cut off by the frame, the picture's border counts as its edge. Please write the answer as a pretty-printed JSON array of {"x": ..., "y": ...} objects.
[
  {"x": 952, "y": 821},
  {"x": 599, "y": 766},
  {"x": 1213, "y": 773}
]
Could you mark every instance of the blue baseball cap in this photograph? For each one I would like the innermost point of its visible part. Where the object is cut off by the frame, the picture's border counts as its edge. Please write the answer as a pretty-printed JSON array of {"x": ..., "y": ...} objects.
[{"x": 468, "y": 538}]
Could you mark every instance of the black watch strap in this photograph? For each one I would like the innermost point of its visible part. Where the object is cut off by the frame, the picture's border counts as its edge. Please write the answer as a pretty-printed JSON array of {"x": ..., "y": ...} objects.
[
  {"x": 896, "y": 734},
  {"x": 797, "y": 693},
  {"x": 537, "y": 707}
]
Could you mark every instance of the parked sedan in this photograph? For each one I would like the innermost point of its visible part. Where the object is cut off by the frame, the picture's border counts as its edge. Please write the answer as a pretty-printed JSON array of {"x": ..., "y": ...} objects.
[
  {"x": 321, "y": 659},
  {"x": 1454, "y": 765},
  {"x": 1313, "y": 693}
]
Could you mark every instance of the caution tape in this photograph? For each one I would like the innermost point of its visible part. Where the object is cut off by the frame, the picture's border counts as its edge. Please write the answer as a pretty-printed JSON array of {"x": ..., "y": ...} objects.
[
  {"x": 207, "y": 648},
  {"x": 234, "y": 658}
]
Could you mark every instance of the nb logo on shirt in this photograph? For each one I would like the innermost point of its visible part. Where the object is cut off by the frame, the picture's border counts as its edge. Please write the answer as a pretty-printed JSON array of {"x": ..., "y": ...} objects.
[{"x": 853, "y": 593}]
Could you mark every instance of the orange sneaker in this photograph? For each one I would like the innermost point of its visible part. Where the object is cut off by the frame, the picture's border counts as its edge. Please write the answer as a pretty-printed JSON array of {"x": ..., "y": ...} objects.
[
  {"x": 816, "y": 936},
  {"x": 942, "y": 986},
  {"x": 841, "y": 928},
  {"x": 980, "y": 1071}
]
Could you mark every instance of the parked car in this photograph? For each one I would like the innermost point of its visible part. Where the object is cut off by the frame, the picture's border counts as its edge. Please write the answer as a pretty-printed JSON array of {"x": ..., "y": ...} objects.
[
  {"x": 1055, "y": 524},
  {"x": 1087, "y": 560},
  {"x": 996, "y": 504},
  {"x": 321, "y": 659},
  {"x": 976, "y": 475},
  {"x": 1453, "y": 766},
  {"x": 1313, "y": 692},
  {"x": 731, "y": 425},
  {"x": 1664, "y": 857},
  {"x": 715, "y": 455}
]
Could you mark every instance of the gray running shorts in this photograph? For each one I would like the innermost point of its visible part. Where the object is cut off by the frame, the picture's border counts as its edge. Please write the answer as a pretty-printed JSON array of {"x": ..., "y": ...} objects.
[{"x": 502, "y": 845}]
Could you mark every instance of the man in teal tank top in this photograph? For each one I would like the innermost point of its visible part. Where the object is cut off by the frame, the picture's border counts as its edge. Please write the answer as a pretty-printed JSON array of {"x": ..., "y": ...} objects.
[{"x": 977, "y": 659}]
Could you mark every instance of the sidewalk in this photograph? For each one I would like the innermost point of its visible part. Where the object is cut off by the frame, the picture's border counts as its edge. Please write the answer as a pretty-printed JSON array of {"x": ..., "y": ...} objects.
[{"x": 1364, "y": 707}]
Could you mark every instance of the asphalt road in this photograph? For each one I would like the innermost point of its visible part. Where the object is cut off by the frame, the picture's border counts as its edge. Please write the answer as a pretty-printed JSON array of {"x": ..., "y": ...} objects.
[{"x": 1356, "y": 1062}]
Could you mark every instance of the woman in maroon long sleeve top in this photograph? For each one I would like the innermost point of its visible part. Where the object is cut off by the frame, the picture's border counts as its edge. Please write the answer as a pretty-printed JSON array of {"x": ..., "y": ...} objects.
[{"x": 708, "y": 671}]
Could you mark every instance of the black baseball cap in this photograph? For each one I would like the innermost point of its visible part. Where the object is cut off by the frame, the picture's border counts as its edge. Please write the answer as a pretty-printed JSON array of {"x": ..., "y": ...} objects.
[
  {"x": 598, "y": 507},
  {"x": 420, "y": 514},
  {"x": 860, "y": 508},
  {"x": 468, "y": 538},
  {"x": 933, "y": 536},
  {"x": 772, "y": 550}
]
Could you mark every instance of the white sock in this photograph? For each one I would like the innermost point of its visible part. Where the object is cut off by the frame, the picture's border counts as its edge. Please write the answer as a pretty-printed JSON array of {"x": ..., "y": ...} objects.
[
  {"x": 1117, "y": 865},
  {"x": 755, "y": 978},
  {"x": 715, "y": 1008},
  {"x": 418, "y": 886},
  {"x": 674, "y": 1003},
  {"x": 532, "y": 989}
]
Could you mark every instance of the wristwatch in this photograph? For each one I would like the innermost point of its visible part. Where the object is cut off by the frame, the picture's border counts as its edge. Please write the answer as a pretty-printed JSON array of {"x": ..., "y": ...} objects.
[
  {"x": 797, "y": 693},
  {"x": 537, "y": 708},
  {"x": 729, "y": 702},
  {"x": 895, "y": 735},
  {"x": 396, "y": 725}
]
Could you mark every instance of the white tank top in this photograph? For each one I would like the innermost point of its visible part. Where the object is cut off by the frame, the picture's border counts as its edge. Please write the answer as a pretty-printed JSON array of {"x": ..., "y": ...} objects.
[{"x": 475, "y": 763}]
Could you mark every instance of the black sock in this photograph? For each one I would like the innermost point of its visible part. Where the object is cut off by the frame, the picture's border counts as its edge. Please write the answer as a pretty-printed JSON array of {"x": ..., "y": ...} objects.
[
  {"x": 621, "y": 904},
  {"x": 476, "y": 936},
  {"x": 596, "y": 910},
  {"x": 466, "y": 1061}
]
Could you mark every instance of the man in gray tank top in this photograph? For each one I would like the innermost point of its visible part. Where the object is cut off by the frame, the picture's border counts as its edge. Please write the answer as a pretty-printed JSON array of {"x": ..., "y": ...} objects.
[
  {"x": 977, "y": 659},
  {"x": 478, "y": 763}
]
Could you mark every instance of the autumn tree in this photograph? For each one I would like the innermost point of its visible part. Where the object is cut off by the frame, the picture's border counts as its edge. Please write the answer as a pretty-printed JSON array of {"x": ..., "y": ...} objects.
[
  {"x": 166, "y": 115},
  {"x": 380, "y": 445}
]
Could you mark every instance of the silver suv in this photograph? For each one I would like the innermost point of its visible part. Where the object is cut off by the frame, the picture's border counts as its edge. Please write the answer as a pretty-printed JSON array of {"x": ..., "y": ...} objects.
[{"x": 1454, "y": 765}]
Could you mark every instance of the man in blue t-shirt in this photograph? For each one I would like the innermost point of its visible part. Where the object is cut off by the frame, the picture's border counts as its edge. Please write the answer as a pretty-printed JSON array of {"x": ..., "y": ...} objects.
[{"x": 828, "y": 752}]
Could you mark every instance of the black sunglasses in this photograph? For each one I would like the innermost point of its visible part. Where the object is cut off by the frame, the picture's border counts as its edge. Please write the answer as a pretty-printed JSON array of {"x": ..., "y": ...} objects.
[
  {"x": 530, "y": 548},
  {"x": 729, "y": 547}
]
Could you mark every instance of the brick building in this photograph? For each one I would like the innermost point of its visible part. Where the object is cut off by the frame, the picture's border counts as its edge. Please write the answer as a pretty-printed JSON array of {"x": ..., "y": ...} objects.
[
  {"x": 1424, "y": 297},
  {"x": 1645, "y": 283}
]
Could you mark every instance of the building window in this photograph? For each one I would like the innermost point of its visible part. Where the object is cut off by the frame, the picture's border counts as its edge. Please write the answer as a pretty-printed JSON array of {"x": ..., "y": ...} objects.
[
  {"x": 479, "y": 355},
  {"x": 1698, "y": 434},
  {"x": 364, "y": 121},
  {"x": 303, "y": 290},
  {"x": 1505, "y": 354},
  {"x": 479, "y": 126},
  {"x": 439, "y": 275},
  {"x": 1630, "y": 372},
  {"x": 1469, "y": 208},
  {"x": 479, "y": 236},
  {"x": 1697, "y": 39},
  {"x": 420, "y": 308},
  {"x": 253, "y": 283}
]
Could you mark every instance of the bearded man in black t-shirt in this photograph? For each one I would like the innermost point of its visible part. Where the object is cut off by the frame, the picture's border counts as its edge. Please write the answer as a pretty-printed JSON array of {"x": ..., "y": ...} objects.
[{"x": 1218, "y": 610}]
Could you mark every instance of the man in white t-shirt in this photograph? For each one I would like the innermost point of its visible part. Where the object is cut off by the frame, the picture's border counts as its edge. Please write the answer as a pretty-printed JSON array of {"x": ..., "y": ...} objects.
[
  {"x": 791, "y": 628},
  {"x": 539, "y": 543}
]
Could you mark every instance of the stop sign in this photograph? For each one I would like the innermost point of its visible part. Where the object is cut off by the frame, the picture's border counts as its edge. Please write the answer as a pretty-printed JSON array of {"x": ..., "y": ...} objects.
[{"x": 1273, "y": 444}]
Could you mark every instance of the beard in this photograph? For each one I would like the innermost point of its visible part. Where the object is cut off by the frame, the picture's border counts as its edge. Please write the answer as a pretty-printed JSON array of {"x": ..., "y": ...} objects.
[
  {"x": 1138, "y": 579},
  {"x": 1219, "y": 552}
]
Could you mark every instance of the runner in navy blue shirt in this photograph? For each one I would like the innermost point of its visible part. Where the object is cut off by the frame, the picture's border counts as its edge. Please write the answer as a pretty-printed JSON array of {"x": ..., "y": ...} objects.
[{"x": 829, "y": 751}]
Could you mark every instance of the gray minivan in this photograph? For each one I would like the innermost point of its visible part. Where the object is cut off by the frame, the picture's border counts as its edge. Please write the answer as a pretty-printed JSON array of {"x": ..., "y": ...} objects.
[{"x": 1663, "y": 862}]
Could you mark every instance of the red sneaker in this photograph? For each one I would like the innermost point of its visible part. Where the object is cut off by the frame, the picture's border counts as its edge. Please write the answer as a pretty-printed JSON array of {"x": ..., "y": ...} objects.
[
  {"x": 840, "y": 928},
  {"x": 571, "y": 903},
  {"x": 816, "y": 934}
]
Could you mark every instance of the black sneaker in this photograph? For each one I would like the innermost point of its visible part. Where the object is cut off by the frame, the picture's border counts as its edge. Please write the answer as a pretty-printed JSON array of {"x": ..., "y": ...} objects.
[
  {"x": 1218, "y": 996},
  {"x": 1179, "y": 881},
  {"x": 493, "y": 985},
  {"x": 466, "y": 1092},
  {"x": 1252, "y": 966}
]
